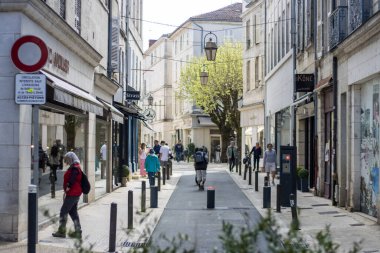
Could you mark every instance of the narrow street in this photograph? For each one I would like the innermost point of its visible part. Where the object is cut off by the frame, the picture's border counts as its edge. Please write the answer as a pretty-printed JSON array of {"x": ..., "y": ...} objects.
[{"x": 187, "y": 213}]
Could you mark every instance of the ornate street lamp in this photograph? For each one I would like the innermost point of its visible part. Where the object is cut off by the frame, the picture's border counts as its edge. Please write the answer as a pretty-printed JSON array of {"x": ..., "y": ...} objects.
[
  {"x": 204, "y": 77},
  {"x": 211, "y": 46},
  {"x": 150, "y": 100}
]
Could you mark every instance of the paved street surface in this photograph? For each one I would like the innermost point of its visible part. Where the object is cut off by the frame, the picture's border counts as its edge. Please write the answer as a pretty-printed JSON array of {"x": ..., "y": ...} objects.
[
  {"x": 182, "y": 208},
  {"x": 187, "y": 211}
]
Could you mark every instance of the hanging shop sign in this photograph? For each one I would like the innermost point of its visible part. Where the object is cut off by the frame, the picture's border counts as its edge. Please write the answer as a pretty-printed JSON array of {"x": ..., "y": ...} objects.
[
  {"x": 30, "y": 89},
  {"x": 29, "y": 53},
  {"x": 304, "y": 82},
  {"x": 132, "y": 95}
]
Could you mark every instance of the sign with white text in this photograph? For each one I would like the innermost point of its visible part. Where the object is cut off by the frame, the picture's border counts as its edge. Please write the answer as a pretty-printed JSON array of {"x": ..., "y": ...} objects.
[
  {"x": 30, "y": 89},
  {"x": 304, "y": 82},
  {"x": 132, "y": 95}
]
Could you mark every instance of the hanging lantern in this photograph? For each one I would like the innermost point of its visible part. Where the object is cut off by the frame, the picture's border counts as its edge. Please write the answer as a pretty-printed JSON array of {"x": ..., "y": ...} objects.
[{"x": 204, "y": 77}]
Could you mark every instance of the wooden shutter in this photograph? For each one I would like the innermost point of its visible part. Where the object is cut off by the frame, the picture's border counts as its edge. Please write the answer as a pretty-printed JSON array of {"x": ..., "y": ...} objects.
[{"x": 115, "y": 44}]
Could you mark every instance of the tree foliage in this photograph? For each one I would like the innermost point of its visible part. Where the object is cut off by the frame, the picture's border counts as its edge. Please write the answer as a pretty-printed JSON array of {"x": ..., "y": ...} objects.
[{"x": 219, "y": 98}]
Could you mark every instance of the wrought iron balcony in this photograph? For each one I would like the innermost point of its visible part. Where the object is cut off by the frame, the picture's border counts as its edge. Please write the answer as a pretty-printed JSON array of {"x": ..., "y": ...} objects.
[
  {"x": 359, "y": 12},
  {"x": 337, "y": 26}
]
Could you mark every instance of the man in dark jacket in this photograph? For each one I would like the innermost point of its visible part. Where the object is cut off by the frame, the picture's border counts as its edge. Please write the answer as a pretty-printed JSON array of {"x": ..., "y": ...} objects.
[
  {"x": 156, "y": 148},
  {"x": 178, "y": 151},
  {"x": 200, "y": 165},
  {"x": 256, "y": 150}
]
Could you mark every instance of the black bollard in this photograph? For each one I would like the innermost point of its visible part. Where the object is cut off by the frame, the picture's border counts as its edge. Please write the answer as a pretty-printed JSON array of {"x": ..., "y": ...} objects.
[
  {"x": 278, "y": 198},
  {"x": 236, "y": 164},
  {"x": 112, "y": 236},
  {"x": 32, "y": 218},
  {"x": 239, "y": 167},
  {"x": 153, "y": 196},
  {"x": 143, "y": 196},
  {"x": 130, "y": 209},
  {"x": 245, "y": 172},
  {"x": 250, "y": 175},
  {"x": 293, "y": 207},
  {"x": 257, "y": 180},
  {"x": 163, "y": 175},
  {"x": 52, "y": 184},
  {"x": 266, "y": 181},
  {"x": 167, "y": 172},
  {"x": 266, "y": 197},
  {"x": 159, "y": 180},
  {"x": 210, "y": 197}
]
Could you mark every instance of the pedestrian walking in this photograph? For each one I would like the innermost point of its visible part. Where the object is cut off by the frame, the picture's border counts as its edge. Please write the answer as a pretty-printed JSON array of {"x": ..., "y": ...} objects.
[
  {"x": 103, "y": 157},
  {"x": 56, "y": 158},
  {"x": 164, "y": 154},
  {"x": 232, "y": 155},
  {"x": 200, "y": 165},
  {"x": 270, "y": 157},
  {"x": 178, "y": 151},
  {"x": 217, "y": 153},
  {"x": 256, "y": 150},
  {"x": 142, "y": 157},
  {"x": 152, "y": 165},
  {"x": 72, "y": 191},
  {"x": 156, "y": 147}
]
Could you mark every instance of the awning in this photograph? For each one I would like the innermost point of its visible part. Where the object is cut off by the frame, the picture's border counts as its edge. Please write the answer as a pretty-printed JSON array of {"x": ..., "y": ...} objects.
[
  {"x": 147, "y": 125},
  {"x": 128, "y": 111},
  {"x": 116, "y": 114},
  {"x": 323, "y": 83},
  {"x": 302, "y": 99},
  {"x": 68, "y": 94},
  {"x": 205, "y": 121}
]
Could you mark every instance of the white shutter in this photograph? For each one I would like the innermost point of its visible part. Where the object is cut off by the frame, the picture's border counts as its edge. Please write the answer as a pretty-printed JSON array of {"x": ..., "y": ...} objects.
[
  {"x": 115, "y": 44},
  {"x": 319, "y": 39},
  {"x": 77, "y": 19}
]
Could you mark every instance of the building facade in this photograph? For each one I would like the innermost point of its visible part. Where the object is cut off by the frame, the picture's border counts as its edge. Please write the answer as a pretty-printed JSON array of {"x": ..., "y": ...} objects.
[{"x": 188, "y": 122}]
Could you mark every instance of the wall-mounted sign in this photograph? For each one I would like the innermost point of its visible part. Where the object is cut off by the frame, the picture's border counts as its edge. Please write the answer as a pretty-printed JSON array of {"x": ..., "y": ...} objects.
[
  {"x": 132, "y": 95},
  {"x": 30, "y": 89},
  {"x": 58, "y": 61},
  {"x": 149, "y": 114},
  {"x": 304, "y": 82}
]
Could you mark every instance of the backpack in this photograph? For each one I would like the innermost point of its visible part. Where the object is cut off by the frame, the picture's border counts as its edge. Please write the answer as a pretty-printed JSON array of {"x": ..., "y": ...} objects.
[
  {"x": 54, "y": 151},
  {"x": 199, "y": 157},
  {"x": 85, "y": 184}
]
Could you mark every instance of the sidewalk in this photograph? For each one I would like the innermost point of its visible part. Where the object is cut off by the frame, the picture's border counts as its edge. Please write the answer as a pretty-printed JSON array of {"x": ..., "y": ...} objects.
[
  {"x": 95, "y": 219},
  {"x": 315, "y": 214}
]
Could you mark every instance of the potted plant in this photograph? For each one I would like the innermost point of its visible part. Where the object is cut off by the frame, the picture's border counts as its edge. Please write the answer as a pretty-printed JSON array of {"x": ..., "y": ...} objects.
[
  {"x": 298, "y": 179},
  {"x": 124, "y": 175},
  {"x": 303, "y": 174}
]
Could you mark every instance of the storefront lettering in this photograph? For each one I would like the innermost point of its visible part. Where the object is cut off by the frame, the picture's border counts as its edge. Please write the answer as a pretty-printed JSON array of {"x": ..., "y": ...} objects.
[{"x": 58, "y": 61}]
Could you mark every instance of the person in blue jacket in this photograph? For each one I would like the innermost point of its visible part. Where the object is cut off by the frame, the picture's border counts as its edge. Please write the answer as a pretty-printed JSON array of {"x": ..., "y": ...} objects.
[{"x": 152, "y": 166}]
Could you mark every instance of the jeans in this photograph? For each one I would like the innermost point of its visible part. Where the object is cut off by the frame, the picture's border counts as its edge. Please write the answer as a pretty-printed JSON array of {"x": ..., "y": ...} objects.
[
  {"x": 256, "y": 161},
  {"x": 178, "y": 156},
  {"x": 232, "y": 162},
  {"x": 201, "y": 176},
  {"x": 151, "y": 176},
  {"x": 69, "y": 206}
]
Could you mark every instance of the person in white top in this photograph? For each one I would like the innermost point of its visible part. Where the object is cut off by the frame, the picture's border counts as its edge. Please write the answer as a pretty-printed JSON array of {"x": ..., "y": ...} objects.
[
  {"x": 164, "y": 154},
  {"x": 103, "y": 158},
  {"x": 142, "y": 157}
]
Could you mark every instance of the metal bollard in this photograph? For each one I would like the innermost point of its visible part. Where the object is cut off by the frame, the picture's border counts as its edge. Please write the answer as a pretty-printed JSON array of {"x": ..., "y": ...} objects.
[
  {"x": 32, "y": 218},
  {"x": 163, "y": 175},
  {"x": 266, "y": 197},
  {"x": 153, "y": 196},
  {"x": 143, "y": 196},
  {"x": 210, "y": 197},
  {"x": 130, "y": 209},
  {"x": 239, "y": 164},
  {"x": 266, "y": 181},
  {"x": 167, "y": 172},
  {"x": 293, "y": 207},
  {"x": 257, "y": 180},
  {"x": 159, "y": 180},
  {"x": 52, "y": 184},
  {"x": 278, "y": 198},
  {"x": 112, "y": 236},
  {"x": 250, "y": 175},
  {"x": 245, "y": 172}
]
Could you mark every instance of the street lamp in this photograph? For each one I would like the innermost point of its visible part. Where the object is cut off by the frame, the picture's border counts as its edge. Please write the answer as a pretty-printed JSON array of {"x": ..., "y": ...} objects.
[
  {"x": 204, "y": 77},
  {"x": 150, "y": 100},
  {"x": 211, "y": 46}
]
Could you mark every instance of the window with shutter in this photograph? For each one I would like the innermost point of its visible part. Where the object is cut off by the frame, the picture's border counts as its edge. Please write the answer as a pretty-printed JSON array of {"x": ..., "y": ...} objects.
[
  {"x": 247, "y": 34},
  {"x": 248, "y": 75},
  {"x": 78, "y": 15},
  {"x": 62, "y": 8},
  {"x": 115, "y": 44},
  {"x": 257, "y": 75},
  {"x": 309, "y": 22}
]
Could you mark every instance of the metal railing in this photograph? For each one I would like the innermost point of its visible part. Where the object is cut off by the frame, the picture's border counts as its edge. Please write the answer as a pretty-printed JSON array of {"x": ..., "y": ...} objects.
[{"x": 337, "y": 26}]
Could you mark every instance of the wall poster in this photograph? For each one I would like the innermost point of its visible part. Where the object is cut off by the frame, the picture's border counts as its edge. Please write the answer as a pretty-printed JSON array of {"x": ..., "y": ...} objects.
[{"x": 369, "y": 149}]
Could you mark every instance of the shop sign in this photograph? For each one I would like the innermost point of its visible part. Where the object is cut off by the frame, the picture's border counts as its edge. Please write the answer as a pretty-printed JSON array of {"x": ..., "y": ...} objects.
[
  {"x": 132, "y": 95},
  {"x": 304, "y": 82},
  {"x": 30, "y": 89},
  {"x": 58, "y": 61}
]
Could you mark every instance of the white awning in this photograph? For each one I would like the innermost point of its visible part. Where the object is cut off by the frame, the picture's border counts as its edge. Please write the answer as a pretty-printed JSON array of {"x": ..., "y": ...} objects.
[
  {"x": 205, "y": 121},
  {"x": 68, "y": 94},
  {"x": 116, "y": 114}
]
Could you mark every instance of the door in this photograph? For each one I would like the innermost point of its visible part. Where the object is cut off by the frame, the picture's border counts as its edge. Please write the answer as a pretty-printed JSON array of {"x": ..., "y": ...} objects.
[
  {"x": 328, "y": 154},
  {"x": 215, "y": 141}
]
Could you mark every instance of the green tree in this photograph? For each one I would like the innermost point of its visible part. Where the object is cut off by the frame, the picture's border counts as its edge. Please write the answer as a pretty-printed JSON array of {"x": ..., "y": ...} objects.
[{"x": 219, "y": 98}]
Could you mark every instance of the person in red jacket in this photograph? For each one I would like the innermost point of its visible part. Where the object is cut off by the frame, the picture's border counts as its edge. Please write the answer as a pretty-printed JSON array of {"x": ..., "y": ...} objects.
[{"x": 72, "y": 192}]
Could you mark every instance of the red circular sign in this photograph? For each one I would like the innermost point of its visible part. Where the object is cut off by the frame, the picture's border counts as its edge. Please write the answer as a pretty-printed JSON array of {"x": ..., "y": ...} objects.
[{"x": 16, "y": 58}]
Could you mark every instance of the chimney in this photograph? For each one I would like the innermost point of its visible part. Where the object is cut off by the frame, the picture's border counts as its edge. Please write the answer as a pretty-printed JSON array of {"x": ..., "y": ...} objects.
[{"x": 151, "y": 42}]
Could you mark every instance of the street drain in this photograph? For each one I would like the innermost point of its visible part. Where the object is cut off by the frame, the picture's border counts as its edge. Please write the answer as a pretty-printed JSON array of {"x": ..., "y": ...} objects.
[
  {"x": 320, "y": 205},
  {"x": 328, "y": 212},
  {"x": 356, "y": 224},
  {"x": 340, "y": 215},
  {"x": 133, "y": 244}
]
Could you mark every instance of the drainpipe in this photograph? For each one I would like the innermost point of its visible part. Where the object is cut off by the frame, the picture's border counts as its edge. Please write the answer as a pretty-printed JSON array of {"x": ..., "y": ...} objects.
[
  {"x": 294, "y": 59},
  {"x": 109, "y": 116},
  {"x": 335, "y": 124},
  {"x": 266, "y": 121},
  {"x": 109, "y": 66},
  {"x": 315, "y": 41}
]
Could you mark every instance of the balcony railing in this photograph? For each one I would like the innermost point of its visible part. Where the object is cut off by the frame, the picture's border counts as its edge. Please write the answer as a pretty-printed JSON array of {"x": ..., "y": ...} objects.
[
  {"x": 337, "y": 26},
  {"x": 359, "y": 12}
]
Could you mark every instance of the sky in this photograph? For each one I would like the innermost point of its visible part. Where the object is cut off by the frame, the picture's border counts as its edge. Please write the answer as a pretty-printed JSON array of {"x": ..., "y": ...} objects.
[{"x": 174, "y": 12}]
